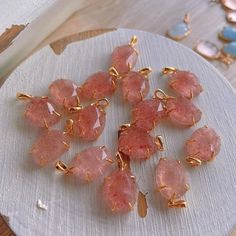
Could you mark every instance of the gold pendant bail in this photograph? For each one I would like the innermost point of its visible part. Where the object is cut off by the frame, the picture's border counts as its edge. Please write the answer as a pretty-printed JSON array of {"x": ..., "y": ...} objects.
[
  {"x": 145, "y": 71},
  {"x": 74, "y": 109},
  {"x": 61, "y": 166},
  {"x": 160, "y": 94},
  {"x": 159, "y": 142},
  {"x": 113, "y": 71},
  {"x": 193, "y": 161},
  {"x": 168, "y": 70},
  {"x": 23, "y": 96},
  {"x": 177, "y": 203},
  {"x": 133, "y": 41},
  {"x": 101, "y": 103},
  {"x": 186, "y": 18}
]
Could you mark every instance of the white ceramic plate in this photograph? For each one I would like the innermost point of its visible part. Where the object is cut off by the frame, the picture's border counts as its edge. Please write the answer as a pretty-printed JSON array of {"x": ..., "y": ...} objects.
[{"x": 79, "y": 210}]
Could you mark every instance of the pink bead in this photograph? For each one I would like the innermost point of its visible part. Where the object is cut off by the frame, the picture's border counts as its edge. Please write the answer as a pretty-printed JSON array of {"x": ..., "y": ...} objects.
[
  {"x": 135, "y": 87},
  {"x": 89, "y": 122},
  {"x": 64, "y": 93},
  {"x": 171, "y": 178},
  {"x": 124, "y": 58},
  {"x": 182, "y": 112},
  {"x": 119, "y": 191},
  {"x": 98, "y": 86},
  {"x": 50, "y": 145},
  {"x": 136, "y": 143},
  {"x": 204, "y": 144},
  {"x": 185, "y": 84},
  {"x": 148, "y": 113},
  {"x": 91, "y": 163},
  {"x": 40, "y": 112}
]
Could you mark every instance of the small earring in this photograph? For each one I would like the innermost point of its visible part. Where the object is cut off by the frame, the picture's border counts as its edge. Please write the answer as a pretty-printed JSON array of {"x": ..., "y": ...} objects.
[
  {"x": 138, "y": 144},
  {"x": 229, "y": 4},
  {"x": 231, "y": 17},
  {"x": 40, "y": 111},
  {"x": 63, "y": 92},
  {"x": 171, "y": 181},
  {"x": 51, "y": 145},
  {"x": 124, "y": 57},
  {"x": 203, "y": 146},
  {"x": 210, "y": 51},
  {"x": 180, "y": 110},
  {"x": 135, "y": 85},
  {"x": 181, "y": 29},
  {"x": 89, "y": 164},
  {"x": 228, "y": 34},
  {"x": 89, "y": 121},
  {"x": 119, "y": 187},
  {"x": 183, "y": 83}
]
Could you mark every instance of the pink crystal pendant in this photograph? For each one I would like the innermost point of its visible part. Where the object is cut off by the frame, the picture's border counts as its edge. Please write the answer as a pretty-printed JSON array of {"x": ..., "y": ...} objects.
[
  {"x": 203, "y": 146},
  {"x": 180, "y": 110},
  {"x": 119, "y": 189},
  {"x": 171, "y": 181},
  {"x": 148, "y": 113},
  {"x": 137, "y": 143},
  {"x": 135, "y": 86},
  {"x": 89, "y": 164},
  {"x": 40, "y": 111},
  {"x": 89, "y": 121},
  {"x": 124, "y": 57},
  {"x": 183, "y": 83},
  {"x": 98, "y": 86},
  {"x": 63, "y": 93},
  {"x": 50, "y": 145}
]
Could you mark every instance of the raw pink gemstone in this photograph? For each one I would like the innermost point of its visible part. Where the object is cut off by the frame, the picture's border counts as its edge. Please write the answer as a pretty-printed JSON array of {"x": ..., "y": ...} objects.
[
  {"x": 185, "y": 84},
  {"x": 204, "y": 144},
  {"x": 135, "y": 87},
  {"x": 182, "y": 112},
  {"x": 124, "y": 58},
  {"x": 148, "y": 113},
  {"x": 89, "y": 122},
  {"x": 136, "y": 143},
  {"x": 98, "y": 86},
  {"x": 40, "y": 112},
  {"x": 63, "y": 93},
  {"x": 119, "y": 190},
  {"x": 171, "y": 178},
  {"x": 91, "y": 163},
  {"x": 50, "y": 145}
]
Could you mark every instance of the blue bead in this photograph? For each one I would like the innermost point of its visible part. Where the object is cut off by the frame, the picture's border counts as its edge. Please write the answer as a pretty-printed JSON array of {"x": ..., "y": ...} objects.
[
  {"x": 179, "y": 30},
  {"x": 229, "y": 33},
  {"x": 230, "y": 49}
]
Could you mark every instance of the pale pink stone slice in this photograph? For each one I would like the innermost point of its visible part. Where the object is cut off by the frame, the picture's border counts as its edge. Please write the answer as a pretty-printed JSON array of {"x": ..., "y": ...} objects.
[
  {"x": 119, "y": 191},
  {"x": 124, "y": 58},
  {"x": 97, "y": 86},
  {"x": 204, "y": 144},
  {"x": 50, "y": 145},
  {"x": 89, "y": 122},
  {"x": 182, "y": 112},
  {"x": 64, "y": 93},
  {"x": 136, "y": 143},
  {"x": 40, "y": 112},
  {"x": 91, "y": 163},
  {"x": 171, "y": 178},
  {"x": 148, "y": 113},
  {"x": 135, "y": 87},
  {"x": 185, "y": 84}
]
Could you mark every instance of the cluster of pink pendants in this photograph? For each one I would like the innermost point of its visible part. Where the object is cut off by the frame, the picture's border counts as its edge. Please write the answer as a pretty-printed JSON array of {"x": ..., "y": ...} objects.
[{"x": 134, "y": 139}]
